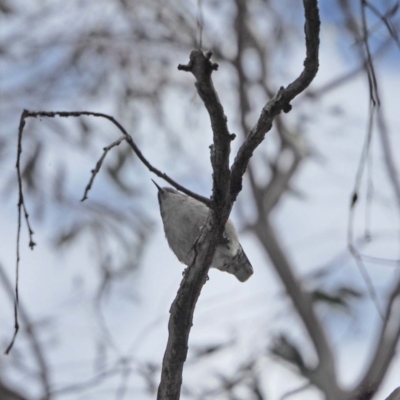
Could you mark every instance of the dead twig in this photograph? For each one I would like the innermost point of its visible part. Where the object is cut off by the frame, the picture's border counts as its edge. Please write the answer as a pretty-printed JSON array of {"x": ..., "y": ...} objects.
[
  {"x": 99, "y": 163},
  {"x": 128, "y": 138},
  {"x": 21, "y": 202}
]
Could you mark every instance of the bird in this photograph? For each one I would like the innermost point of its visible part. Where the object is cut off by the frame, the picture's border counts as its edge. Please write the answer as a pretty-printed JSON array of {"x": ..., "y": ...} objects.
[{"x": 183, "y": 218}]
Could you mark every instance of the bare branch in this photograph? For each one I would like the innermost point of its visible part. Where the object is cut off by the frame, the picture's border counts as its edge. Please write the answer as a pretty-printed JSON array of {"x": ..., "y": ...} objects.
[
  {"x": 370, "y": 68},
  {"x": 389, "y": 159},
  {"x": 91, "y": 382},
  {"x": 181, "y": 313},
  {"x": 365, "y": 154},
  {"x": 385, "y": 348},
  {"x": 385, "y": 19},
  {"x": 347, "y": 76},
  {"x": 21, "y": 206},
  {"x": 195, "y": 276},
  {"x": 9, "y": 394},
  {"x": 225, "y": 193},
  {"x": 21, "y": 203},
  {"x": 395, "y": 395},
  {"x": 36, "y": 347},
  {"x": 303, "y": 304},
  {"x": 281, "y": 101},
  {"x": 201, "y": 67},
  {"x": 130, "y": 141},
  {"x": 99, "y": 164}
]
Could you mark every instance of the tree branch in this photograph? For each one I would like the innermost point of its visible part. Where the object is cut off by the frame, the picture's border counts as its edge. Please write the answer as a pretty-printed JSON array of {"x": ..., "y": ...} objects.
[
  {"x": 181, "y": 314},
  {"x": 129, "y": 139},
  {"x": 395, "y": 395},
  {"x": 281, "y": 101},
  {"x": 201, "y": 67},
  {"x": 34, "y": 341},
  {"x": 21, "y": 203},
  {"x": 384, "y": 351},
  {"x": 226, "y": 187},
  {"x": 324, "y": 374},
  {"x": 99, "y": 163},
  {"x": 195, "y": 276}
]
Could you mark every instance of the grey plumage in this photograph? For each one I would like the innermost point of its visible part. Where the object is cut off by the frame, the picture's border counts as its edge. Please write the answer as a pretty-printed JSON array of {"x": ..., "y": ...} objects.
[{"x": 183, "y": 217}]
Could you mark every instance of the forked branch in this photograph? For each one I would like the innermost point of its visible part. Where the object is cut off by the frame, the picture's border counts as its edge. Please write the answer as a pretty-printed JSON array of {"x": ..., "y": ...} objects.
[{"x": 226, "y": 186}]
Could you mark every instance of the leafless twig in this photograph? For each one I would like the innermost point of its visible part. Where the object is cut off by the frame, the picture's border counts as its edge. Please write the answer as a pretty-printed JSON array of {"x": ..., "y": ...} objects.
[
  {"x": 281, "y": 101},
  {"x": 100, "y": 163},
  {"x": 354, "y": 201},
  {"x": 21, "y": 206},
  {"x": 128, "y": 138},
  {"x": 384, "y": 350},
  {"x": 21, "y": 203}
]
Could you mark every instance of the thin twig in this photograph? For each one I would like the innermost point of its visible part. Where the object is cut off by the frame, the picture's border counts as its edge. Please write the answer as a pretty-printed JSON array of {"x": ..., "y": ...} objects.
[
  {"x": 350, "y": 243},
  {"x": 395, "y": 395},
  {"x": 90, "y": 383},
  {"x": 21, "y": 203},
  {"x": 370, "y": 69},
  {"x": 384, "y": 350},
  {"x": 367, "y": 279},
  {"x": 129, "y": 139},
  {"x": 99, "y": 164},
  {"x": 21, "y": 206},
  {"x": 281, "y": 101},
  {"x": 347, "y": 76},
  {"x": 35, "y": 343},
  {"x": 385, "y": 19}
]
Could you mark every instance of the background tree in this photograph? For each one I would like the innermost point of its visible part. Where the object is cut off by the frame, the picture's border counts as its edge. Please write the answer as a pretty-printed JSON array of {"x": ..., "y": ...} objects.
[{"x": 121, "y": 57}]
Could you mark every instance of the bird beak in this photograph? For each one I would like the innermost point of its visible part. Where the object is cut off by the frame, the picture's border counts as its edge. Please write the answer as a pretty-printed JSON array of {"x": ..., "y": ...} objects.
[{"x": 158, "y": 187}]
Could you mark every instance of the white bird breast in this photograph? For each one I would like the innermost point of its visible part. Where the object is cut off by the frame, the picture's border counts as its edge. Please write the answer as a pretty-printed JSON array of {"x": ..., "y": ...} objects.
[{"x": 183, "y": 218}]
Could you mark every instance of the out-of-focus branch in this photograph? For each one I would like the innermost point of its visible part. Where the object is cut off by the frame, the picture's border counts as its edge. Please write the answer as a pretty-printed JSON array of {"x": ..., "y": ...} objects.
[
  {"x": 316, "y": 93},
  {"x": 390, "y": 331},
  {"x": 281, "y": 101},
  {"x": 36, "y": 347},
  {"x": 384, "y": 351},
  {"x": 324, "y": 374},
  {"x": 268, "y": 197},
  {"x": 395, "y": 395},
  {"x": 9, "y": 394},
  {"x": 389, "y": 159}
]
